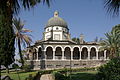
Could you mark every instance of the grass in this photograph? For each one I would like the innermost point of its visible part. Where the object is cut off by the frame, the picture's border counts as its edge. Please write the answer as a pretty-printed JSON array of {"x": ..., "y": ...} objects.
[
  {"x": 82, "y": 75},
  {"x": 15, "y": 76},
  {"x": 85, "y": 75}
]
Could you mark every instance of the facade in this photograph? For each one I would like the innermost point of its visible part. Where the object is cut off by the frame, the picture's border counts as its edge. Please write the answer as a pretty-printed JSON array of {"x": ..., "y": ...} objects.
[{"x": 57, "y": 50}]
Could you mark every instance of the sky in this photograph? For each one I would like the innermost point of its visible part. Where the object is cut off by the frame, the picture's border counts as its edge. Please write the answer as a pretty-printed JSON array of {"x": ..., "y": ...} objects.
[{"x": 86, "y": 17}]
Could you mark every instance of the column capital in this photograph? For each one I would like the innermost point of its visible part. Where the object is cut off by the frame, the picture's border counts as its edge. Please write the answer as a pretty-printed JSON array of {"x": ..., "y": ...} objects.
[
  {"x": 88, "y": 50},
  {"x": 97, "y": 50}
]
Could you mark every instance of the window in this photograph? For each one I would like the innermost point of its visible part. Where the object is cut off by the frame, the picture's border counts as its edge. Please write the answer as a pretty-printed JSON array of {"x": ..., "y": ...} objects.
[
  {"x": 57, "y": 36},
  {"x": 57, "y": 28}
]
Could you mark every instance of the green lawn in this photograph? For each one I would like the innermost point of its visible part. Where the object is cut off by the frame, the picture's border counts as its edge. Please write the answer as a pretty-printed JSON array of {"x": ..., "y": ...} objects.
[
  {"x": 22, "y": 74},
  {"x": 85, "y": 75}
]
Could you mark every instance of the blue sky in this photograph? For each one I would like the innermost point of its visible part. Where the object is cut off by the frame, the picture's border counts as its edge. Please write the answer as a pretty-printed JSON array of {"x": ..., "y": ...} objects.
[{"x": 82, "y": 16}]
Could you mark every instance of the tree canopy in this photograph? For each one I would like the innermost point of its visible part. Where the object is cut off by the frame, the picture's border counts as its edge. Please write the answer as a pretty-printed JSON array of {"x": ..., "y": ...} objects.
[{"x": 112, "y": 41}]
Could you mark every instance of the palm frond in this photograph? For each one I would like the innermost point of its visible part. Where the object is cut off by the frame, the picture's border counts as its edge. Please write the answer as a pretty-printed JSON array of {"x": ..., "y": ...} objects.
[
  {"x": 27, "y": 4},
  {"x": 112, "y": 7},
  {"x": 16, "y": 6},
  {"x": 20, "y": 32}
]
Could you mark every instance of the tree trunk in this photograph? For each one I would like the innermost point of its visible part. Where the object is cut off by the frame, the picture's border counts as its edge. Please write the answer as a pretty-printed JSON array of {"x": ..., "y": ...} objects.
[{"x": 21, "y": 57}]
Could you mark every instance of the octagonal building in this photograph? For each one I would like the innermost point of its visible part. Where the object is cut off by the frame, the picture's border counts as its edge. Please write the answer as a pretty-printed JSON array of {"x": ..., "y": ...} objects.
[{"x": 57, "y": 50}]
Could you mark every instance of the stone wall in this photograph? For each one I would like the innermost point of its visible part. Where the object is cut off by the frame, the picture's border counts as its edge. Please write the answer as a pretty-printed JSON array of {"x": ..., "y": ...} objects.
[{"x": 57, "y": 64}]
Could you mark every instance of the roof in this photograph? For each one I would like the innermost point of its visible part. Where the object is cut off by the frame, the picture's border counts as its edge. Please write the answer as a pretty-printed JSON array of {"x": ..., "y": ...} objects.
[{"x": 56, "y": 21}]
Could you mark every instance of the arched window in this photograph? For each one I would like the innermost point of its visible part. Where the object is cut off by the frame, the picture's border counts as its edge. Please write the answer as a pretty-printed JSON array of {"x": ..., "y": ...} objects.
[
  {"x": 84, "y": 53},
  {"x": 76, "y": 53},
  {"x": 67, "y": 53},
  {"x": 57, "y": 28},
  {"x": 58, "y": 53},
  {"x": 101, "y": 55},
  {"x": 34, "y": 54},
  {"x": 49, "y": 53},
  {"x": 107, "y": 54},
  {"x": 93, "y": 53},
  {"x": 40, "y": 53}
]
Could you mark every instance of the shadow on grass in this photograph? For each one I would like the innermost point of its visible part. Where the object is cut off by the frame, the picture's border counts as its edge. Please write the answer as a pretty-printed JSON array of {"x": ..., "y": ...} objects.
[{"x": 82, "y": 76}]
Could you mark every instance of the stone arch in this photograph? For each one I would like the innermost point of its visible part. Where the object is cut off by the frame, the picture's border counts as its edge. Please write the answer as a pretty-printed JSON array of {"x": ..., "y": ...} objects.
[
  {"x": 69, "y": 47},
  {"x": 60, "y": 47},
  {"x": 75, "y": 47},
  {"x": 49, "y": 53},
  {"x": 107, "y": 54},
  {"x": 35, "y": 54},
  {"x": 40, "y": 53},
  {"x": 58, "y": 53},
  {"x": 84, "y": 53},
  {"x": 49, "y": 46},
  {"x": 94, "y": 47},
  {"x": 76, "y": 53},
  {"x": 67, "y": 53},
  {"x": 92, "y": 53},
  {"x": 101, "y": 55},
  {"x": 85, "y": 47}
]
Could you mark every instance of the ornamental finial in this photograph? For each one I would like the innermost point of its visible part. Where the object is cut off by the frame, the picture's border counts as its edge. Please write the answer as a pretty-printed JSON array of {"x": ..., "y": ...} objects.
[{"x": 56, "y": 13}]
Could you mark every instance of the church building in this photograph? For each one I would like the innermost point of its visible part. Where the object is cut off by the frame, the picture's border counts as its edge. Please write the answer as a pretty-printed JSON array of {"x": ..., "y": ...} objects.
[{"x": 57, "y": 50}]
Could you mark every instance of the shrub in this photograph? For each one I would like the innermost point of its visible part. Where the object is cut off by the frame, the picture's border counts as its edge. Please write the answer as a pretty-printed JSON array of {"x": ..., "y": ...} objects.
[
  {"x": 109, "y": 71},
  {"x": 26, "y": 68},
  {"x": 58, "y": 75},
  {"x": 15, "y": 66}
]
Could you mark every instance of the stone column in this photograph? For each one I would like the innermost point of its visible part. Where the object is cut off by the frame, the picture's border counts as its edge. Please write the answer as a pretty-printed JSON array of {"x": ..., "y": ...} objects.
[
  {"x": 53, "y": 55},
  {"x": 71, "y": 55},
  {"x": 97, "y": 54},
  {"x": 105, "y": 55},
  {"x": 80, "y": 55},
  {"x": 37, "y": 53},
  {"x": 88, "y": 54},
  {"x": 62, "y": 55}
]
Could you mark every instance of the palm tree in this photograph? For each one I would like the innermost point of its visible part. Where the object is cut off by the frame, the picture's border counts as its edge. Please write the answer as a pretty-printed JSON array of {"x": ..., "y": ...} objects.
[
  {"x": 111, "y": 42},
  {"x": 112, "y": 7},
  {"x": 21, "y": 36},
  {"x": 116, "y": 31}
]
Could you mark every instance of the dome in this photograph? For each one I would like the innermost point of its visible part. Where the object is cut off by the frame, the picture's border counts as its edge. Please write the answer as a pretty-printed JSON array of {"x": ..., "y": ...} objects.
[{"x": 56, "y": 21}]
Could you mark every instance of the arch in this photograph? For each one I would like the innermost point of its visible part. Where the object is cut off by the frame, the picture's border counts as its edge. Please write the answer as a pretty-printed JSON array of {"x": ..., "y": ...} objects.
[
  {"x": 93, "y": 47},
  {"x": 77, "y": 47},
  {"x": 107, "y": 54},
  {"x": 76, "y": 53},
  {"x": 35, "y": 54},
  {"x": 101, "y": 55},
  {"x": 58, "y": 53},
  {"x": 68, "y": 47},
  {"x": 84, "y": 53},
  {"x": 99, "y": 47},
  {"x": 49, "y": 53},
  {"x": 92, "y": 53},
  {"x": 85, "y": 47},
  {"x": 48, "y": 46},
  {"x": 39, "y": 53},
  {"x": 67, "y": 53},
  {"x": 60, "y": 47}
]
